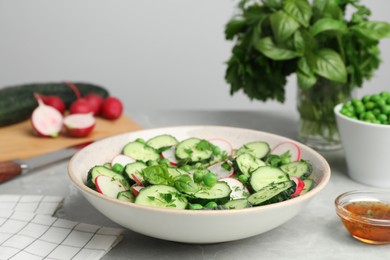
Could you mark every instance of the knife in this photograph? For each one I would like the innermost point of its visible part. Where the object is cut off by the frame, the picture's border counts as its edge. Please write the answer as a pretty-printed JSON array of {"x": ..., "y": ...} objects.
[{"x": 16, "y": 167}]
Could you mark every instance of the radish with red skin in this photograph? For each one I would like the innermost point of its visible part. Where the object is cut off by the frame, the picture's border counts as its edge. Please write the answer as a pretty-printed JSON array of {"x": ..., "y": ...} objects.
[
  {"x": 53, "y": 101},
  {"x": 221, "y": 172},
  {"x": 223, "y": 144},
  {"x": 95, "y": 101},
  {"x": 109, "y": 186},
  {"x": 299, "y": 185},
  {"x": 283, "y": 147},
  {"x": 122, "y": 160},
  {"x": 169, "y": 154},
  {"x": 239, "y": 191},
  {"x": 46, "y": 120},
  {"x": 81, "y": 105},
  {"x": 112, "y": 108},
  {"x": 79, "y": 125},
  {"x": 137, "y": 180},
  {"x": 136, "y": 189}
]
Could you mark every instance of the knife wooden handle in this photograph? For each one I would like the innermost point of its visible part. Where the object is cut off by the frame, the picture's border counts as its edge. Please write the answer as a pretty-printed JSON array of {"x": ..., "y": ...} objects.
[{"x": 9, "y": 170}]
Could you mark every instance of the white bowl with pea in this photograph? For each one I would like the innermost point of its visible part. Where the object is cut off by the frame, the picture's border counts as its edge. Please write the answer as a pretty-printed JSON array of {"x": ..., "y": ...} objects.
[
  {"x": 364, "y": 129},
  {"x": 189, "y": 225}
]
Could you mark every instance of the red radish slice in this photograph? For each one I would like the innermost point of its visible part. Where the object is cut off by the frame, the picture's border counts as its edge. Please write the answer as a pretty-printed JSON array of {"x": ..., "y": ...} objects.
[
  {"x": 299, "y": 185},
  {"x": 46, "y": 120},
  {"x": 122, "y": 160},
  {"x": 79, "y": 125},
  {"x": 169, "y": 154},
  {"x": 221, "y": 172},
  {"x": 239, "y": 191},
  {"x": 136, "y": 189},
  {"x": 137, "y": 180},
  {"x": 223, "y": 144},
  {"x": 109, "y": 186},
  {"x": 283, "y": 147}
]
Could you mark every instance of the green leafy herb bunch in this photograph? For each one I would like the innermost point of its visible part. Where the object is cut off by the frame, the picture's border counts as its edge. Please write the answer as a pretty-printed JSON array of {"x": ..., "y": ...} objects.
[{"x": 314, "y": 39}]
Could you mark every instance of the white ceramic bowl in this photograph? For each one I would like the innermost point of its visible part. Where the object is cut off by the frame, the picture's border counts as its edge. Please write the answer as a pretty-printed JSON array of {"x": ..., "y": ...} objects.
[
  {"x": 193, "y": 226},
  {"x": 366, "y": 147}
]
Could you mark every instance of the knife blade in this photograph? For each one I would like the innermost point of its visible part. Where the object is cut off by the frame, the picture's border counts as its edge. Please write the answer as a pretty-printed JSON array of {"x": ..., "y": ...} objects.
[{"x": 16, "y": 167}]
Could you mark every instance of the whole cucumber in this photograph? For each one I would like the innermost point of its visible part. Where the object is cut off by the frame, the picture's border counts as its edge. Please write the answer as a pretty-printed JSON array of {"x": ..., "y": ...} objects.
[{"x": 18, "y": 102}]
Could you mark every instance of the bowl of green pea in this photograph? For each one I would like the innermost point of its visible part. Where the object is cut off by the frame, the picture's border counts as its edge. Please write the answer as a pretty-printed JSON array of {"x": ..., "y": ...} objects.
[{"x": 364, "y": 128}]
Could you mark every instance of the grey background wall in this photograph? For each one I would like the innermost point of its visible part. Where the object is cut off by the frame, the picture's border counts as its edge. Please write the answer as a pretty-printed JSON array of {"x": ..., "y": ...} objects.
[{"x": 147, "y": 52}]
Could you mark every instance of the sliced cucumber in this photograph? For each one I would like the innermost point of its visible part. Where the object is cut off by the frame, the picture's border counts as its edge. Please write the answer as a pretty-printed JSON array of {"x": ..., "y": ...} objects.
[
  {"x": 126, "y": 195},
  {"x": 194, "y": 150},
  {"x": 301, "y": 169},
  {"x": 247, "y": 163},
  {"x": 259, "y": 149},
  {"x": 161, "y": 196},
  {"x": 162, "y": 141},
  {"x": 238, "y": 204},
  {"x": 140, "y": 152},
  {"x": 219, "y": 193},
  {"x": 135, "y": 169},
  {"x": 96, "y": 171},
  {"x": 272, "y": 193},
  {"x": 266, "y": 175},
  {"x": 309, "y": 185}
]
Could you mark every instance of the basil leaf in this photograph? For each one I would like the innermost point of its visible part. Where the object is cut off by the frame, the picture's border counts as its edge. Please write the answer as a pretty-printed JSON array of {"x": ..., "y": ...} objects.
[
  {"x": 269, "y": 49},
  {"x": 156, "y": 174},
  {"x": 299, "y": 42},
  {"x": 304, "y": 67},
  {"x": 233, "y": 28},
  {"x": 373, "y": 30},
  {"x": 328, "y": 64},
  {"x": 283, "y": 26},
  {"x": 328, "y": 8},
  {"x": 275, "y": 4},
  {"x": 306, "y": 81},
  {"x": 328, "y": 24},
  {"x": 184, "y": 183},
  {"x": 300, "y": 10}
]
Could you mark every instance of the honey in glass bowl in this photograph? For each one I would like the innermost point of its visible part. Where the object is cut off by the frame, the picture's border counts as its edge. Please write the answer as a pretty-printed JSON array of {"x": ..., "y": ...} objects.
[{"x": 366, "y": 215}]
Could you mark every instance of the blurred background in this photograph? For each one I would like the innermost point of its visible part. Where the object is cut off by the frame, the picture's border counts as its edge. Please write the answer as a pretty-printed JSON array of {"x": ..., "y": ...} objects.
[{"x": 153, "y": 54}]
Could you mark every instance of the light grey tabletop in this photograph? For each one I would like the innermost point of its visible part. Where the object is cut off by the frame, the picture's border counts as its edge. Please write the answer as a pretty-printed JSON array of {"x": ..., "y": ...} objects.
[{"x": 316, "y": 233}]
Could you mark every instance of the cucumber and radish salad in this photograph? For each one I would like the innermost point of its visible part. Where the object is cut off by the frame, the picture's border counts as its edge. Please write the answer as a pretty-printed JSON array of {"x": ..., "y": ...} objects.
[{"x": 199, "y": 174}]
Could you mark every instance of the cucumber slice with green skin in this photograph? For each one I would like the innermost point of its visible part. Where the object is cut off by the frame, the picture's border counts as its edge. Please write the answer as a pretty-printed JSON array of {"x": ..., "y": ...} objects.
[
  {"x": 272, "y": 193},
  {"x": 301, "y": 169},
  {"x": 309, "y": 185},
  {"x": 140, "y": 152},
  {"x": 259, "y": 149},
  {"x": 194, "y": 149},
  {"x": 246, "y": 163},
  {"x": 238, "y": 204},
  {"x": 162, "y": 141},
  {"x": 266, "y": 175},
  {"x": 126, "y": 195},
  {"x": 96, "y": 171},
  {"x": 109, "y": 186},
  {"x": 219, "y": 193},
  {"x": 133, "y": 172},
  {"x": 161, "y": 196}
]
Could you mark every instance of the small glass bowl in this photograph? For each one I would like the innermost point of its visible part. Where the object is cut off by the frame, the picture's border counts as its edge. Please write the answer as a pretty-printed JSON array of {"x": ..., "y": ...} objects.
[{"x": 366, "y": 215}]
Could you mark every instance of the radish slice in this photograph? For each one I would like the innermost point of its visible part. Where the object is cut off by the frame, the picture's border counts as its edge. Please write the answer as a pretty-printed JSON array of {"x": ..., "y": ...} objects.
[
  {"x": 122, "y": 160},
  {"x": 79, "y": 125},
  {"x": 136, "y": 189},
  {"x": 109, "y": 186},
  {"x": 137, "y": 180},
  {"x": 299, "y": 185},
  {"x": 169, "y": 154},
  {"x": 239, "y": 191},
  {"x": 281, "y": 148},
  {"x": 221, "y": 172},
  {"x": 46, "y": 120},
  {"x": 223, "y": 144}
]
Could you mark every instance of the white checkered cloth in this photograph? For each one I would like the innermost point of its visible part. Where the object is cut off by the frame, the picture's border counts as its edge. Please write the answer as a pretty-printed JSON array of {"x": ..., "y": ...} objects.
[{"x": 26, "y": 233}]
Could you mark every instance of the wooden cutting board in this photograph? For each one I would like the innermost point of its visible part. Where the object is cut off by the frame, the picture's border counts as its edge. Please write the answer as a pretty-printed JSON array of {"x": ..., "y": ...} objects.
[{"x": 19, "y": 141}]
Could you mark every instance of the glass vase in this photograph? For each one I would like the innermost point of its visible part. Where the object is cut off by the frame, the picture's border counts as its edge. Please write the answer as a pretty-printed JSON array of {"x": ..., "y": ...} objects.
[{"x": 317, "y": 122}]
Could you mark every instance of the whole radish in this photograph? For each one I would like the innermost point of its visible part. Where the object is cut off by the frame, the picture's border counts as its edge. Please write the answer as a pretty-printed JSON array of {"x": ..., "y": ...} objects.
[
  {"x": 53, "y": 101},
  {"x": 95, "y": 101},
  {"x": 112, "y": 108},
  {"x": 81, "y": 105}
]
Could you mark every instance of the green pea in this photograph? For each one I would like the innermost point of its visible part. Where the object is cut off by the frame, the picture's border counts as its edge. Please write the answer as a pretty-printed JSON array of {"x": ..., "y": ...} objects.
[
  {"x": 375, "y": 98},
  {"x": 187, "y": 167},
  {"x": 210, "y": 179},
  {"x": 366, "y": 98},
  {"x": 198, "y": 175},
  {"x": 356, "y": 102},
  {"x": 370, "y": 105},
  {"x": 243, "y": 178},
  {"x": 376, "y": 111},
  {"x": 360, "y": 109},
  {"x": 385, "y": 94},
  {"x": 118, "y": 168},
  {"x": 211, "y": 204},
  {"x": 381, "y": 102},
  {"x": 382, "y": 118},
  {"x": 369, "y": 115},
  {"x": 195, "y": 206},
  {"x": 386, "y": 110}
]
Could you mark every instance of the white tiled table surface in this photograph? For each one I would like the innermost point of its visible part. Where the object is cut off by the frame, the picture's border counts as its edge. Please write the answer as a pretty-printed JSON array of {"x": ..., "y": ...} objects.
[{"x": 316, "y": 233}]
